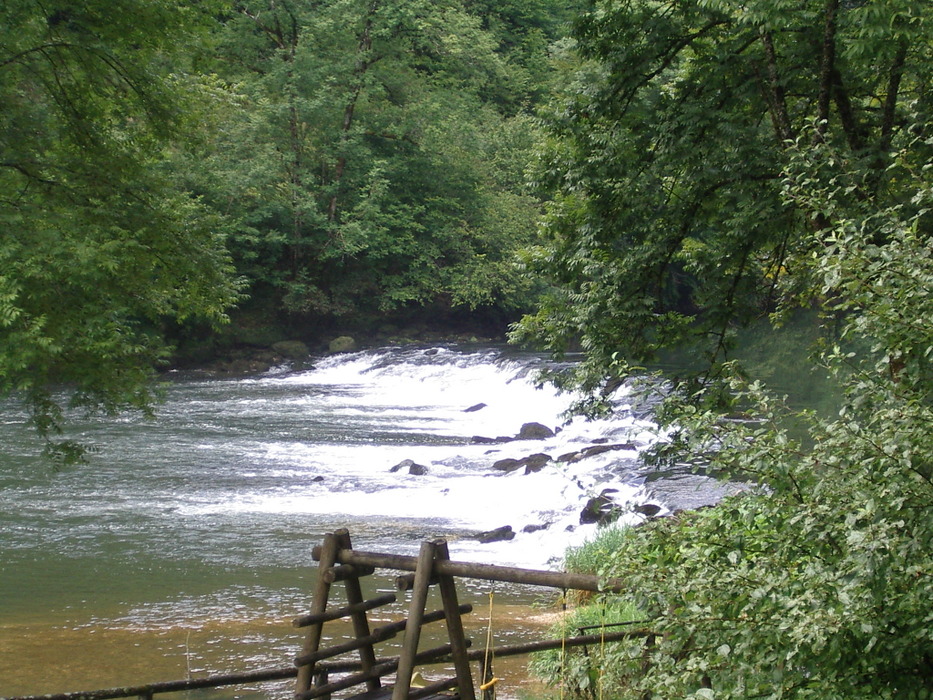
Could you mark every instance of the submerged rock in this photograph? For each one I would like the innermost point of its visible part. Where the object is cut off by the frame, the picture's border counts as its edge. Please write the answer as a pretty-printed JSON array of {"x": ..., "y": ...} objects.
[
  {"x": 534, "y": 431},
  {"x": 343, "y": 343},
  {"x": 500, "y": 534},
  {"x": 482, "y": 440},
  {"x": 413, "y": 467},
  {"x": 594, "y": 450},
  {"x": 474, "y": 408},
  {"x": 600, "y": 509},
  {"x": 647, "y": 509}
]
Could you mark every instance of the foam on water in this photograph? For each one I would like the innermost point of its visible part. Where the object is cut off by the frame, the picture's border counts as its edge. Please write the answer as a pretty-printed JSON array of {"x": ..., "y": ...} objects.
[{"x": 396, "y": 405}]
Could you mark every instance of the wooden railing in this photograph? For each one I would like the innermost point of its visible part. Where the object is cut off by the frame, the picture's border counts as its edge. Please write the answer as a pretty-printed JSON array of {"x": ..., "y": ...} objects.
[{"x": 314, "y": 666}]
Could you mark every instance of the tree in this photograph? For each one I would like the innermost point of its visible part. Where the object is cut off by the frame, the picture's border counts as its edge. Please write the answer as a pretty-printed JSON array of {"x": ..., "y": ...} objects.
[
  {"x": 377, "y": 159},
  {"x": 718, "y": 161},
  {"x": 98, "y": 250},
  {"x": 666, "y": 159},
  {"x": 816, "y": 583}
]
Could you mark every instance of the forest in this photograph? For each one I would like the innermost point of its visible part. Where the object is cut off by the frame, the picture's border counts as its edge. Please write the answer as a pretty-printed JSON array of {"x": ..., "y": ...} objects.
[{"x": 621, "y": 178}]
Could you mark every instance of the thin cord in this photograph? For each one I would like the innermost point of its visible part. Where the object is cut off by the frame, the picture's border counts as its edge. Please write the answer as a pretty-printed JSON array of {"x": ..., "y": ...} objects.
[
  {"x": 563, "y": 641},
  {"x": 488, "y": 656}
]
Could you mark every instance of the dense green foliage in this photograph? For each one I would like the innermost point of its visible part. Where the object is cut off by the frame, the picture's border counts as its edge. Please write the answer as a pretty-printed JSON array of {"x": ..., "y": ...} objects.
[
  {"x": 376, "y": 151},
  {"x": 714, "y": 162},
  {"x": 667, "y": 156},
  {"x": 336, "y": 160},
  {"x": 97, "y": 248}
]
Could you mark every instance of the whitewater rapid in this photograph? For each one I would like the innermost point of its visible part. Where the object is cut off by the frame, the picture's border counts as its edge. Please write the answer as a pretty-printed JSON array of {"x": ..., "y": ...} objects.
[{"x": 370, "y": 411}]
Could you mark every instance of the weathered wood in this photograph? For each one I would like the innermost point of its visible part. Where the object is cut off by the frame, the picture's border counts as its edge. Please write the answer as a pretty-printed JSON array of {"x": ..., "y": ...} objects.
[
  {"x": 355, "y": 596},
  {"x": 380, "y": 634},
  {"x": 432, "y": 688},
  {"x": 218, "y": 681},
  {"x": 455, "y": 633},
  {"x": 312, "y": 640},
  {"x": 486, "y": 572},
  {"x": 419, "y": 598},
  {"x": 383, "y": 668},
  {"x": 321, "y": 678},
  {"x": 347, "y": 682},
  {"x": 339, "y": 613},
  {"x": 405, "y": 582},
  {"x": 345, "y": 572}
]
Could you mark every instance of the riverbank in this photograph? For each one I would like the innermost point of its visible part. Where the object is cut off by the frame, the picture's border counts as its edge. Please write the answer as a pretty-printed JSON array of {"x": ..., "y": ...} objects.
[{"x": 255, "y": 340}]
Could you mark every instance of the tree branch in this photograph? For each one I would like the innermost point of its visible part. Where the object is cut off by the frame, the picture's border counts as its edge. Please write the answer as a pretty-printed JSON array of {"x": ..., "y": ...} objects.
[
  {"x": 774, "y": 93},
  {"x": 827, "y": 68},
  {"x": 895, "y": 73}
]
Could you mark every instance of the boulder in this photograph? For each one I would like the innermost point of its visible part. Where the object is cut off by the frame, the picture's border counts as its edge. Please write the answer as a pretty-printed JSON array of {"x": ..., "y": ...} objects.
[
  {"x": 536, "y": 528},
  {"x": 507, "y": 465},
  {"x": 534, "y": 431},
  {"x": 531, "y": 463},
  {"x": 413, "y": 467},
  {"x": 343, "y": 343},
  {"x": 500, "y": 534},
  {"x": 600, "y": 509},
  {"x": 535, "y": 463},
  {"x": 292, "y": 349},
  {"x": 647, "y": 509}
]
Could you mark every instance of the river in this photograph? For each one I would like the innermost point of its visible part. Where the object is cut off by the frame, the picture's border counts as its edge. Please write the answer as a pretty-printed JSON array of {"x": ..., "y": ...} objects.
[{"x": 183, "y": 548}]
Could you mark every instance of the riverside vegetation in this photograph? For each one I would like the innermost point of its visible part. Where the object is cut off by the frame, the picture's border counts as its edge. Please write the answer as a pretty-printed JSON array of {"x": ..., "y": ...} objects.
[
  {"x": 712, "y": 162},
  {"x": 701, "y": 164}
]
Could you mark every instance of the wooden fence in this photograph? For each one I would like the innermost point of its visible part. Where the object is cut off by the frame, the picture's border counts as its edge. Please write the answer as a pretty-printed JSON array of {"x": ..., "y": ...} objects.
[{"x": 316, "y": 664}]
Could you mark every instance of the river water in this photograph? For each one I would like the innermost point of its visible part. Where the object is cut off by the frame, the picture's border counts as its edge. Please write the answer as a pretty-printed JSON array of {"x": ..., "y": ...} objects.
[{"x": 183, "y": 548}]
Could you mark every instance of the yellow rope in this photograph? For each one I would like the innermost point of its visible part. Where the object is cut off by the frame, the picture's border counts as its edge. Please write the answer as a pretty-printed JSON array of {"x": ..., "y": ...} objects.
[
  {"x": 602, "y": 648},
  {"x": 563, "y": 642},
  {"x": 488, "y": 656}
]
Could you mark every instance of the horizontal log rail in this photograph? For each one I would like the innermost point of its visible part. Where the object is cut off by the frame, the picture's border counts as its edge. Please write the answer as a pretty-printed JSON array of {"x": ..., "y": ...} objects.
[
  {"x": 365, "y": 606},
  {"x": 382, "y": 668},
  {"x": 486, "y": 572},
  {"x": 380, "y": 634},
  {"x": 349, "y": 666}
]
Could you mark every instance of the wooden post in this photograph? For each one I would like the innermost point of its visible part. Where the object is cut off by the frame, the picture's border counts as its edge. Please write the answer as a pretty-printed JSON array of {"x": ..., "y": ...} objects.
[
  {"x": 360, "y": 622},
  {"x": 455, "y": 627},
  {"x": 328, "y": 557},
  {"x": 419, "y": 598},
  {"x": 321, "y": 678}
]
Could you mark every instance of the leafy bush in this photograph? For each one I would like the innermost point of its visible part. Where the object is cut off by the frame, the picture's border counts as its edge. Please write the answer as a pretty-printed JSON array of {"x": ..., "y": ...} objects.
[{"x": 819, "y": 583}]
